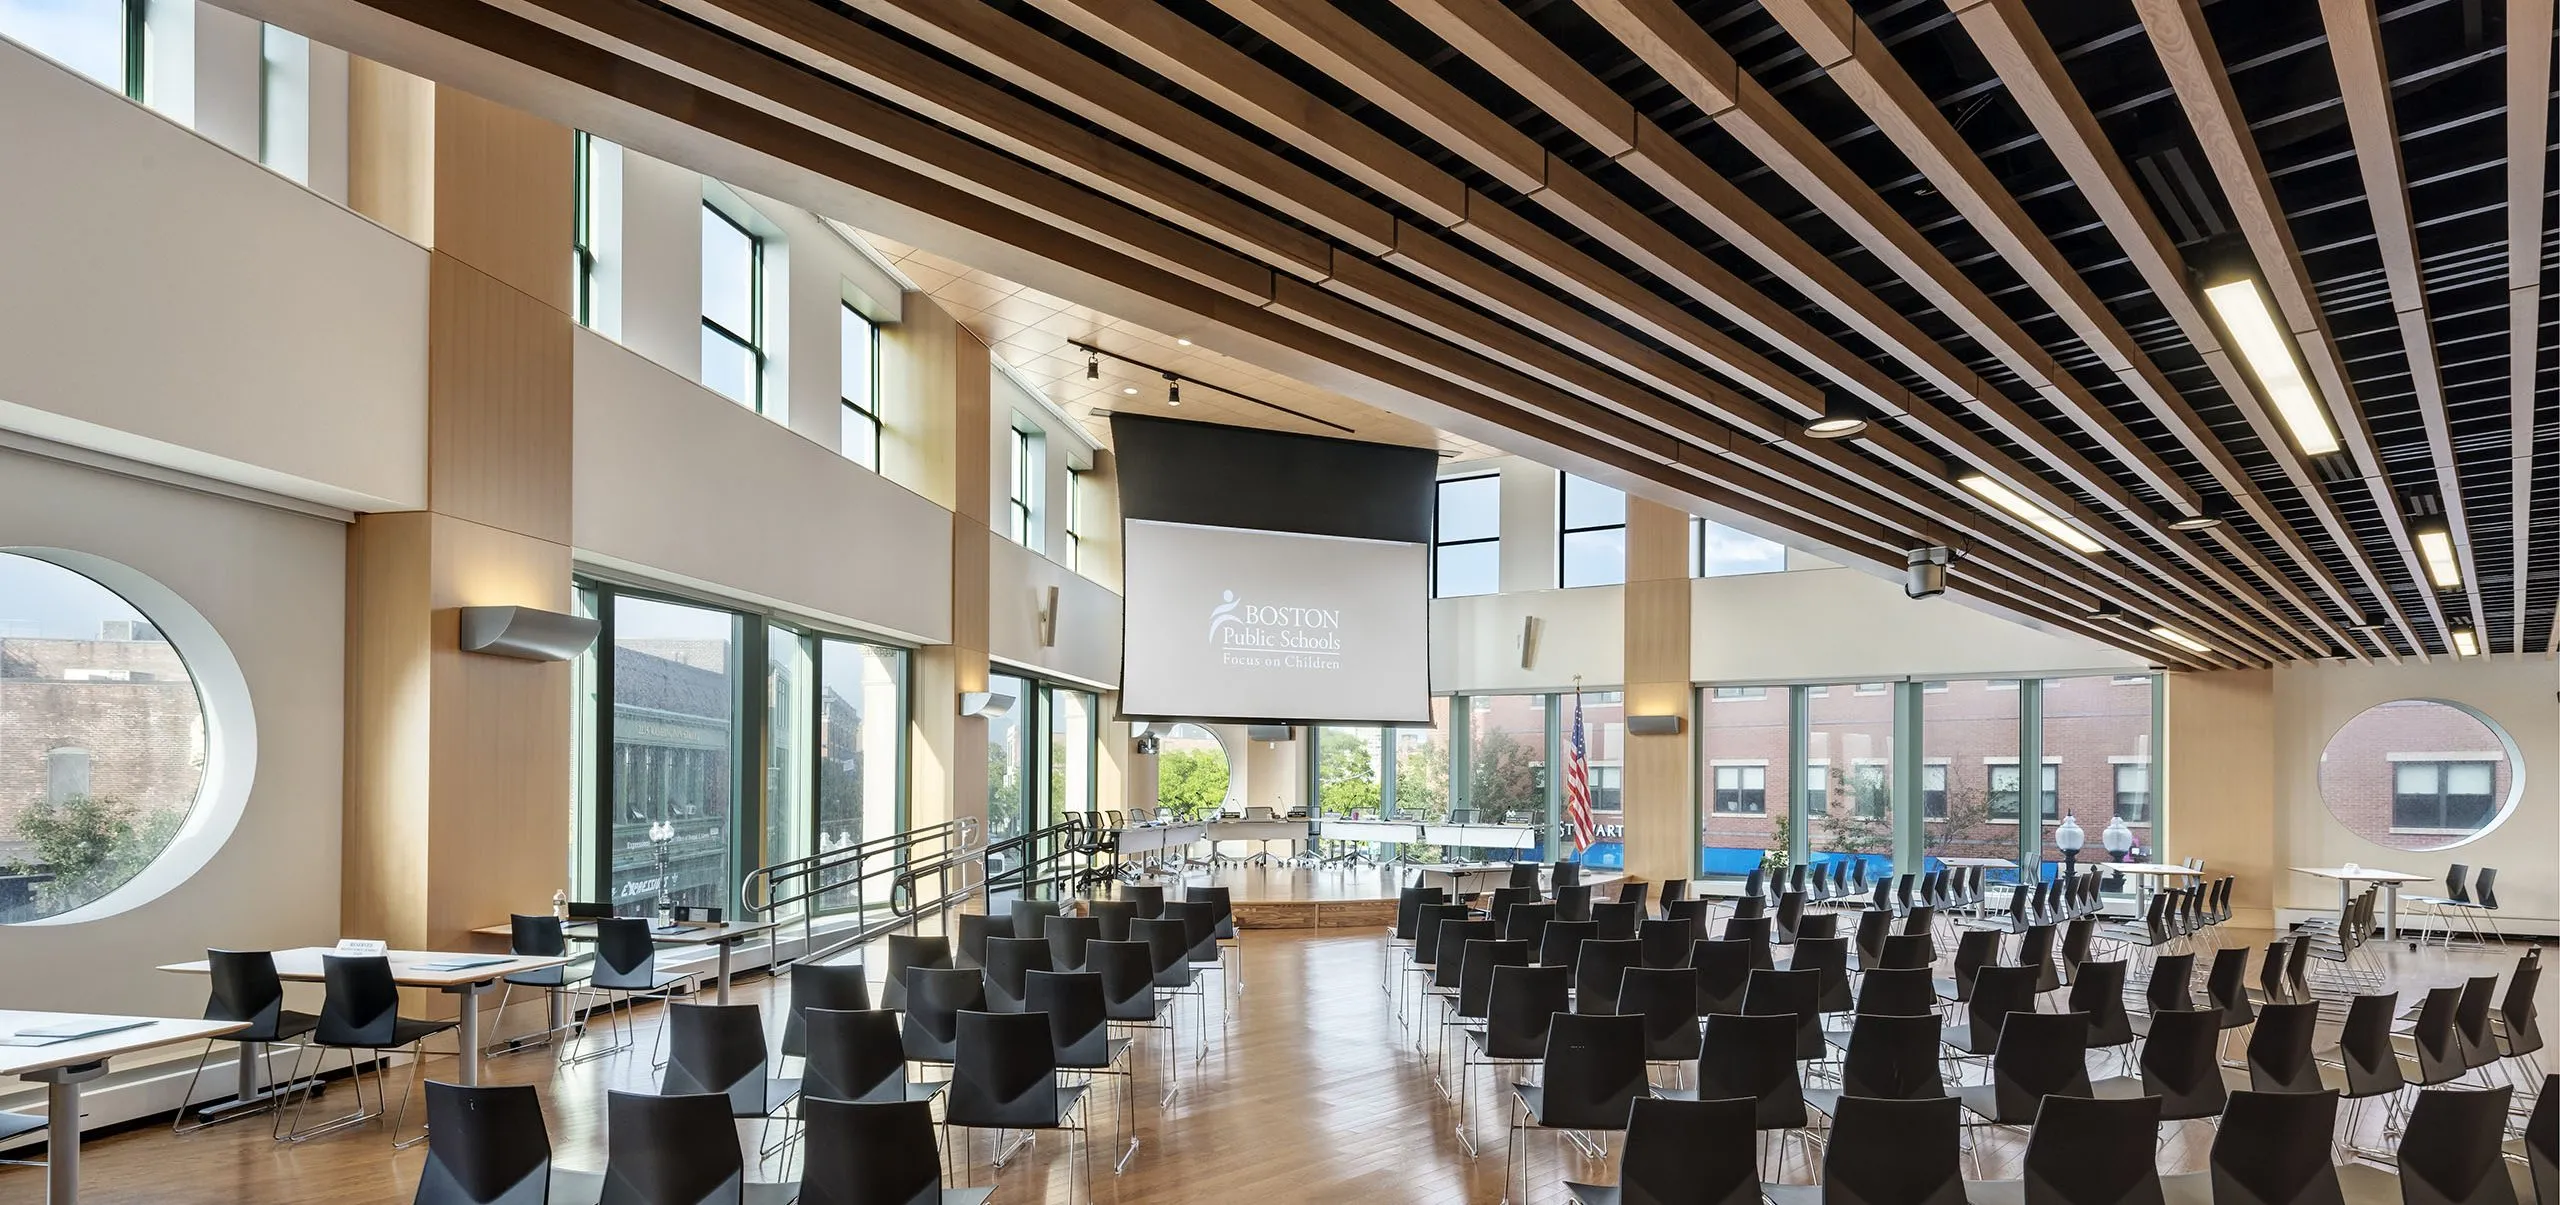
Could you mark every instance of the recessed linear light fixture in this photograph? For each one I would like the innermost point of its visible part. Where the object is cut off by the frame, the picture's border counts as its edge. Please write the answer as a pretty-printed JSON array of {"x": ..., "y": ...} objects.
[
  {"x": 1840, "y": 417},
  {"x": 2043, "y": 520},
  {"x": 2466, "y": 642},
  {"x": 1183, "y": 342},
  {"x": 2232, "y": 288},
  {"x": 2181, "y": 639},
  {"x": 2435, "y": 547}
]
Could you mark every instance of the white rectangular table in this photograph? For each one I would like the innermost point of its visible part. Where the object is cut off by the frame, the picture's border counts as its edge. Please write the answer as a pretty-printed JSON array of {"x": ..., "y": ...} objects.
[
  {"x": 2348, "y": 878},
  {"x": 721, "y": 937},
  {"x": 63, "y": 1066},
  {"x": 1982, "y": 863},
  {"x": 1391, "y": 832},
  {"x": 1157, "y": 838},
  {"x": 409, "y": 968},
  {"x": 1480, "y": 836}
]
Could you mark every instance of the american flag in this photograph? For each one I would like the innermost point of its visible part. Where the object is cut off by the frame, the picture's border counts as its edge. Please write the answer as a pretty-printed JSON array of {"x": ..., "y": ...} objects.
[{"x": 1577, "y": 786}]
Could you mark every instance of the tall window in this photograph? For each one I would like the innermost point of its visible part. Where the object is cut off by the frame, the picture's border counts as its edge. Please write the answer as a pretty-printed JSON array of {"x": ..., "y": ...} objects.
[
  {"x": 1742, "y": 789},
  {"x": 1075, "y": 519},
  {"x": 1849, "y": 741},
  {"x": 674, "y": 699},
  {"x": 858, "y": 383},
  {"x": 2133, "y": 792},
  {"x": 2097, "y": 723},
  {"x": 101, "y": 39},
  {"x": 1591, "y": 534},
  {"x": 732, "y": 309},
  {"x": 2004, "y": 791},
  {"x": 1006, "y": 767},
  {"x": 1067, "y": 787},
  {"x": 1192, "y": 771},
  {"x": 1716, "y": 550},
  {"x": 861, "y": 706},
  {"x": 284, "y": 102},
  {"x": 1466, "y": 536},
  {"x": 1964, "y": 724},
  {"x": 582, "y": 223},
  {"x": 1025, "y": 518},
  {"x": 1506, "y": 758}
]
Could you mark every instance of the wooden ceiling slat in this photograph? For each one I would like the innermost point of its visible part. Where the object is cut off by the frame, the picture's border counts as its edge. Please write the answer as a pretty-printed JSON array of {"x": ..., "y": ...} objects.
[{"x": 2529, "y": 31}]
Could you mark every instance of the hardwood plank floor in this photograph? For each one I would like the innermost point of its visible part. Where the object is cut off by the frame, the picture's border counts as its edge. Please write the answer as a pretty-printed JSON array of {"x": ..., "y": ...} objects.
[{"x": 1311, "y": 1091}]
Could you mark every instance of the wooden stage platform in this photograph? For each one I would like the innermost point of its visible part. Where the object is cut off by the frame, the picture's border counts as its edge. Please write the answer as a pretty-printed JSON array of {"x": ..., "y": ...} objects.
[{"x": 1298, "y": 897}]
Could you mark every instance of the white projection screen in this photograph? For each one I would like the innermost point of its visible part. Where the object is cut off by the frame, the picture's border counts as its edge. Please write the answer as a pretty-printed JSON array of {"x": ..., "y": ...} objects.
[{"x": 1229, "y": 623}]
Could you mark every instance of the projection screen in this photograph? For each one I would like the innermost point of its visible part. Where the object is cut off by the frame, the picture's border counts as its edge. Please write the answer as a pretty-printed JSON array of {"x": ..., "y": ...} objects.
[{"x": 1232, "y": 624}]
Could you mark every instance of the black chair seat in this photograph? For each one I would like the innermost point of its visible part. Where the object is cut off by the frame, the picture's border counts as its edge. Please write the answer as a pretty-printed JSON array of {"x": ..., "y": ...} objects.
[
  {"x": 2122, "y": 1087},
  {"x": 559, "y": 976},
  {"x": 406, "y": 1030},
  {"x": 1825, "y": 1101},
  {"x": 14, "y": 1124},
  {"x": 776, "y": 1091},
  {"x": 289, "y": 1025},
  {"x": 1592, "y": 1194},
  {"x": 1960, "y": 1038},
  {"x": 2365, "y": 1184},
  {"x": 1791, "y": 1194},
  {"x": 1113, "y": 1048},
  {"x": 1983, "y": 1101}
]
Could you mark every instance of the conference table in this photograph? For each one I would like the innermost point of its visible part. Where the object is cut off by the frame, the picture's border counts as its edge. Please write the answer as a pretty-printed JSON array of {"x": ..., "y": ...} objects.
[
  {"x": 63, "y": 1063},
  {"x": 2349, "y": 876},
  {"x": 1262, "y": 832},
  {"x": 721, "y": 937},
  {"x": 2149, "y": 877},
  {"x": 1159, "y": 838},
  {"x": 456, "y": 974},
  {"x": 1481, "y": 836},
  {"x": 1979, "y": 863}
]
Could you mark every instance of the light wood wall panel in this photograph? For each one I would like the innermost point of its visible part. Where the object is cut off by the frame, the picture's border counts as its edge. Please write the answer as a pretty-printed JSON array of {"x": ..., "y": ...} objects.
[
  {"x": 2220, "y": 750},
  {"x": 391, "y": 130},
  {"x": 1658, "y": 777},
  {"x": 499, "y": 403},
  {"x": 383, "y": 887},
  {"x": 503, "y": 194},
  {"x": 917, "y": 440},
  {"x": 973, "y": 428}
]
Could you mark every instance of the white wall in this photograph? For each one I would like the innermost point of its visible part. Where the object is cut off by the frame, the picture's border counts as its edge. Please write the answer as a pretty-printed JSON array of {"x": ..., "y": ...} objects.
[
  {"x": 677, "y": 483},
  {"x": 173, "y": 304},
  {"x": 1089, "y": 622},
  {"x": 1062, "y": 448},
  {"x": 274, "y": 585},
  {"x": 1841, "y": 624},
  {"x": 2313, "y": 701}
]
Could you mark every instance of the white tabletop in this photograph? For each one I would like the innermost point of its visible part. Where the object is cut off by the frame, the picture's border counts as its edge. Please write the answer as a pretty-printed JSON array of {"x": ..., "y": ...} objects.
[
  {"x": 2362, "y": 874},
  {"x": 670, "y": 935},
  {"x": 303, "y": 965},
  {"x": 1342, "y": 828},
  {"x": 155, "y": 1031},
  {"x": 1984, "y": 863},
  {"x": 2155, "y": 869},
  {"x": 1481, "y": 836},
  {"x": 1257, "y": 830}
]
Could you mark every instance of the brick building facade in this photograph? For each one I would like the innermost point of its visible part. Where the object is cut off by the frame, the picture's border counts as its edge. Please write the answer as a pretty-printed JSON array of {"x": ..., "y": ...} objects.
[{"x": 107, "y": 718}]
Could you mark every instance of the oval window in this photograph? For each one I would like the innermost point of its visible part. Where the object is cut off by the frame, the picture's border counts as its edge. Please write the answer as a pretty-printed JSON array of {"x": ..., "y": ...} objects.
[
  {"x": 2420, "y": 774},
  {"x": 102, "y": 740},
  {"x": 1193, "y": 777}
]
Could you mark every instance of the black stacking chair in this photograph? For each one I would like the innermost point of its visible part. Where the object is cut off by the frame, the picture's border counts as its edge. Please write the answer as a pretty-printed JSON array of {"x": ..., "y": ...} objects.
[
  {"x": 1682, "y": 1152},
  {"x": 1975, "y": 949},
  {"x": 1723, "y": 972},
  {"x": 1908, "y": 952},
  {"x": 838, "y": 986},
  {"x": 1112, "y": 918},
  {"x": 2077, "y": 935},
  {"x": 1617, "y": 921},
  {"x": 2170, "y": 989},
  {"x": 2363, "y": 1065},
  {"x": 360, "y": 1010},
  {"x": 2180, "y": 1068},
  {"x": 1452, "y": 963},
  {"x": 1519, "y": 1009},
  {"x": 1751, "y": 1057},
  {"x": 1997, "y": 992},
  {"x": 626, "y": 965},
  {"x": 2271, "y": 1149},
  {"x": 2473, "y": 1033},
  {"x": 875, "y": 1154},
  {"x": 1886, "y": 1058},
  {"x": 2039, "y": 1055},
  {"x": 906, "y": 952},
  {"x": 936, "y": 996},
  {"x": 1067, "y": 937},
  {"x": 1633, "y": 893},
  {"x": 1007, "y": 961},
  {"x": 2518, "y": 1025},
  {"x": 1675, "y": 892},
  {"x": 1222, "y": 912},
  {"x": 1830, "y": 956},
  {"x": 1426, "y": 936},
  {"x": 1169, "y": 951},
  {"x": 485, "y": 1146},
  {"x": 1506, "y": 898},
  {"x": 1522, "y": 874},
  {"x": 1129, "y": 999},
  {"x": 720, "y": 1048},
  {"x": 1574, "y": 902},
  {"x": 1753, "y": 929},
  {"x": 1664, "y": 943},
  {"x": 1667, "y": 999},
  {"x": 2087, "y": 1151},
  {"x": 2433, "y": 1047},
  {"x": 1560, "y": 942},
  {"x": 1796, "y": 994},
  {"x": 1026, "y": 918},
  {"x": 1873, "y": 927},
  {"x": 2542, "y": 1142},
  {"x": 1818, "y": 926},
  {"x": 1750, "y": 905},
  {"x": 533, "y": 937},
  {"x": 1886, "y": 1152},
  {"x": 1789, "y": 913},
  {"x": 975, "y": 929},
  {"x": 671, "y": 1150},
  {"x": 2035, "y": 949},
  {"x": 2449, "y": 1154},
  {"x": 1596, "y": 974},
  {"x": 1525, "y": 922},
  {"x": 1080, "y": 1034},
  {"x": 245, "y": 989},
  {"x": 858, "y": 1056},
  {"x": 2099, "y": 991},
  {"x": 2280, "y": 1050},
  {"x": 1478, "y": 960},
  {"x": 1149, "y": 898},
  {"x": 1565, "y": 873},
  {"x": 1006, "y": 1078},
  {"x": 2226, "y": 987},
  {"x": 1590, "y": 1078},
  {"x": 1897, "y": 992}
]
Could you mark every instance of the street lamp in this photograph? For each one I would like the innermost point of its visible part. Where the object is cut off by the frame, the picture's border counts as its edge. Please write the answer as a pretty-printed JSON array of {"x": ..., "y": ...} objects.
[
  {"x": 2069, "y": 839},
  {"x": 2117, "y": 839}
]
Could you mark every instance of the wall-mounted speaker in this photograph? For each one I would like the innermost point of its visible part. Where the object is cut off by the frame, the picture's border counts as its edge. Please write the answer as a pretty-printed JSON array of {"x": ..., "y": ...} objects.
[
  {"x": 1270, "y": 732},
  {"x": 1049, "y": 620},
  {"x": 1530, "y": 626},
  {"x": 526, "y": 633},
  {"x": 985, "y": 703},
  {"x": 1655, "y": 725}
]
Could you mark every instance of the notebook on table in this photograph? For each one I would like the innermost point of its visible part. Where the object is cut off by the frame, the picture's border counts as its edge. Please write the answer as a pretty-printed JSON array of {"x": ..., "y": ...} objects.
[{"x": 70, "y": 1031}]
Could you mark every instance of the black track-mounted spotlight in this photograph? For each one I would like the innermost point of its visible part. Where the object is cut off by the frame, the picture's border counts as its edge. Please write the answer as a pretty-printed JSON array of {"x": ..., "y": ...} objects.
[{"x": 1841, "y": 417}]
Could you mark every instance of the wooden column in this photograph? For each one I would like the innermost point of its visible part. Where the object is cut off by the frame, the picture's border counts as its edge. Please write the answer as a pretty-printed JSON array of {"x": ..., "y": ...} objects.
[
  {"x": 457, "y": 771},
  {"x": 939, "y": 375},
  {"x": 1657, "y": 780},
  {"x": 2220, "y": 802}
]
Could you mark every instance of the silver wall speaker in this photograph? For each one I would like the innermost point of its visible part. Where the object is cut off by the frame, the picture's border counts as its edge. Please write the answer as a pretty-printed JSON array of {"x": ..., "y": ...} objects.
[
  {"x": 526, "y": 633},
  {"x": 1049, "y": 619},
  {"x": 1270, "y": 732},
  {"x": 1655, "y": 725},
  {"x": 1530, "y": 627},
  {"x": 985, "y": 703}
]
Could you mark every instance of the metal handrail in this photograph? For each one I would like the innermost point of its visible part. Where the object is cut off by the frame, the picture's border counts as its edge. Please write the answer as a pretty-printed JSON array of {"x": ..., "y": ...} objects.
[
  {"x": 1058, "y": 858},
  {"x": 768, "y": 889}
]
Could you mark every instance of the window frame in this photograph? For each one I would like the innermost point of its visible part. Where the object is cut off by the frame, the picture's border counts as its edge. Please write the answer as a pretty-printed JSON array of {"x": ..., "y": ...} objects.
[
  {"x": 2443, "y": 768},
  {"x": 1747, "y": 799},
  {"x": 2142, "y": 813},
  {"x": 1698, "y": 525},
  {"x": 1565, "y": 529},
  {"x": 753, "y": 340},
  {"x": 1075, "y": 518},
  {"x": 1025, "y": 514},
  {"x": 582, "y": 225},
  {"x": 867, "y": 410},
  {"x": 2049, "y": 792},
  {"x": 1439, "y": 487}
]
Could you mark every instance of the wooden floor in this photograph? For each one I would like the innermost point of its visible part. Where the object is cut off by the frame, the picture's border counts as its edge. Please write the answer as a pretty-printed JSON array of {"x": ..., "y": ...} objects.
[{"x": 1311, "y": 1091}]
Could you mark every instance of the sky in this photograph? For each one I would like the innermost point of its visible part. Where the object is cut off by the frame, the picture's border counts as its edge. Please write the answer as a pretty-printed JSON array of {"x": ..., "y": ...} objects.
[{"x": 42, "y": 599}]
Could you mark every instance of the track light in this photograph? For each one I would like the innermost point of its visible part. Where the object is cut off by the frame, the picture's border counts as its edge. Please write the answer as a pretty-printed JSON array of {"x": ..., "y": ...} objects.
[
  {"x": 2106, "y": 610},
  {"x": 2466, "y": 642},
  {"x": 1092, "y": 366},
  {"x": 2206, "y": 518},
  {"x": 1840, "y": 417},
  {"x": 2181, "y": 639},
  {"x": 2041, "y": 519},
  {"x": 2232, "y": 288},
  {"x": 1172, "y": 390}
]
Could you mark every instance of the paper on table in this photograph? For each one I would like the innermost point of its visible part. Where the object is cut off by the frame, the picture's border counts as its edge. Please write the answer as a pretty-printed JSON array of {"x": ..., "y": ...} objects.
[{"x": 68, "y": 1031}]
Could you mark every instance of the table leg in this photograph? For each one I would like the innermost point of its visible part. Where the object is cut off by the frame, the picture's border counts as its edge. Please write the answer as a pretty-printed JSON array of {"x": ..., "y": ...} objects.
[
  {"x": 724, "y": 972},
  {"x": 469, "y": 1033},
  {"x": 2391, "y": 911},
  {"x": 62, "y": 1129},
  {"x": 250, "y": 1053}
]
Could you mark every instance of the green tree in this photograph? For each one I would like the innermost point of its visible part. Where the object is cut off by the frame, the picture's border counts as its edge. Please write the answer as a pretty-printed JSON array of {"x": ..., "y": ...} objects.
[
  {"x": 90, "y": 844},
  {"x": 1346, "y": 775},
  {"x": 1004, "y": 793},
  {"x": 1506, "y": 777},
  {"x": 1422, "y": 778},
  {"x": 1191, "y": 781}
]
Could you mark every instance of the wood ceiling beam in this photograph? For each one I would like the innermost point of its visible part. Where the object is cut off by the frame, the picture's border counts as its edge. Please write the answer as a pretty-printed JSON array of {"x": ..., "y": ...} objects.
[
  {"x": 2364, "y": 83},
  {"x": 2203, "y": 86},
  {"x": 2529, "y": 30},
  {"x": 2016, "y": 48}
]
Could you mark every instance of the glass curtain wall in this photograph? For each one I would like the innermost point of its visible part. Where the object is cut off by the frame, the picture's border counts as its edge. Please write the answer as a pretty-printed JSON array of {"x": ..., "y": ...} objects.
[
  {"x": 1351, "y": 772},
  {"x": 2098, "y": 751},
  {"x": 1504, "y": 770},
  {"x": 1604, "y": 737},
  {"x": 711, "y": 742},
  {"x": 1744, "y": 781},
  {"x": 1848, "y": 774},
  {"x": 1968, "y": 731},
  {"x": 1071, "y": 721},
  {"x": 1007, "y": 816},
  {"x": 1192, "y": 772}
]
